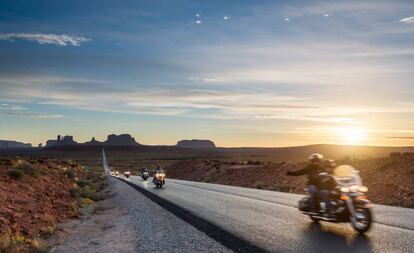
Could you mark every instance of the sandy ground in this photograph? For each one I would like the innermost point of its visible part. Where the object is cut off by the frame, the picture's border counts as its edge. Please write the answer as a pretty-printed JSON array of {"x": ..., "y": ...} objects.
[{"x": 106, "y": 230}]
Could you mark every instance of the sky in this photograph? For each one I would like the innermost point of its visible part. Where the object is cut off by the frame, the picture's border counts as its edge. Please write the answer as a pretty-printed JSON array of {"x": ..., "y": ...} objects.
[{"x": 241, "y": 73}]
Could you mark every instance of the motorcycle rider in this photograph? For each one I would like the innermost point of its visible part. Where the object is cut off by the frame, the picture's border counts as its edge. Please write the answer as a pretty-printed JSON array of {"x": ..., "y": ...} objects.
[
  {"x": 157, "y": 170},
  {"x": 312, "y": 170},
  {"x": 143, "y": 169},
  {"x": 326, "y": 183}
]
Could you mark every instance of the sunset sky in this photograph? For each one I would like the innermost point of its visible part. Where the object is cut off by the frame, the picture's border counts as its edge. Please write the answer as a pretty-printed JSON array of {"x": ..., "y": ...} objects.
[{"x": 241, "y": 73}]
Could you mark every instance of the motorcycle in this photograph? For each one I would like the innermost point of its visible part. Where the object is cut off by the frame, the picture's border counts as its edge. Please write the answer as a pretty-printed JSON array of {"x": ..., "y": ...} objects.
[
  {"x": 127, "y": 174},
  {"x": 347, "y": 201},
  {"x": 145, "y": 175},
  {"x": 159, "y": 179}
]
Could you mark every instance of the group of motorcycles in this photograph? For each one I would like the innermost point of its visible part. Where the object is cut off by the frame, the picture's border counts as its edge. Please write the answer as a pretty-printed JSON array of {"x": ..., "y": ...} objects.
[
  {"x": 158, "y": 180},
  {"x": 347, "y": 200}
]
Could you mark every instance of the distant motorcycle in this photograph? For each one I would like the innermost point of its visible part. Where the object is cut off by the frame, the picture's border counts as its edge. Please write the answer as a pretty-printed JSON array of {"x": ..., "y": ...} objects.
[
  {"x": 348, "y": 201},
  {"x": 145, "y": 175},
  {"x": 127, "y": 174},
  {"x": 159, "y": 179}
]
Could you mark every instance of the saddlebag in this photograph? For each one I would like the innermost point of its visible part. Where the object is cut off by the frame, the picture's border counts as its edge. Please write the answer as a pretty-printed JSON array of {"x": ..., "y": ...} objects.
[{"x": 304, "y": 204}]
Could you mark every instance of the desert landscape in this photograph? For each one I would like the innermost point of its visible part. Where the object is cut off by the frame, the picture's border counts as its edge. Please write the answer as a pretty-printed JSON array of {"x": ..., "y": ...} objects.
[
  {"x": 44, "y": 187},
  {"x": 177, "y": 126}
]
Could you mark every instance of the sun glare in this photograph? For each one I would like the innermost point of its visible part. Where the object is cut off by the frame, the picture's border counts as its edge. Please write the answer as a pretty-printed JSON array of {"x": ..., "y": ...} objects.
[{"x": 353, "y": 135}]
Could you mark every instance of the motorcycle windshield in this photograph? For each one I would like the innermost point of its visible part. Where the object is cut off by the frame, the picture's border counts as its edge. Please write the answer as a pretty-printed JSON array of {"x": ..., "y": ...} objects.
[{"x": 347, "y": 175}]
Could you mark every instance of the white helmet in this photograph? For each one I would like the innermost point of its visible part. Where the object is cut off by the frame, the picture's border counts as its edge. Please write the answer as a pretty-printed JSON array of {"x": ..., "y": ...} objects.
[{"x": 315, "y": 158}]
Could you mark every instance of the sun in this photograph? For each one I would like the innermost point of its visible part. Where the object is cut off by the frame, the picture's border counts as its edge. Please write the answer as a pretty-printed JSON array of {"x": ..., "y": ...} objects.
[{"x": 353, "y": 135}]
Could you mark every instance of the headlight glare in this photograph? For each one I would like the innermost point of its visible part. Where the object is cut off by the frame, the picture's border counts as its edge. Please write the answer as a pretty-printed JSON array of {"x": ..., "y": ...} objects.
[
  {"x": 363, "y": 189},
  {"x": 344, "y": 189},
  {"x": 353, "y": 188}
]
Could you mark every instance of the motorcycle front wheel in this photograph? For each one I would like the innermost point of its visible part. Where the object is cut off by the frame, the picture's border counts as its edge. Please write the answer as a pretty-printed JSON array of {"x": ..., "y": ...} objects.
[{"x": 363, "y": 220}]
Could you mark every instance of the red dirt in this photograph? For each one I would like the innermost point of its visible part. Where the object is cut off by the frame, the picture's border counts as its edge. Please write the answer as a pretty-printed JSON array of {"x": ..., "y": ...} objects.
[
  {"x": 390, "y": 180},
  {"x": 32, "y": 205}
]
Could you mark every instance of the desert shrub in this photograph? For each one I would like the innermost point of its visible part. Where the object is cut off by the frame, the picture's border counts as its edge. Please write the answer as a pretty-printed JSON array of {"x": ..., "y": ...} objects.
[
  {"x": 6, "y": 161},
  {"x": 69, "y": 174},
  {"x": 86, "y": 192},
  {"x": 74, "y": 192},
  {"x": 84, "y": 183},
  {"x": 41, "y": 160},
  {"x": 15, "y": 173},
  {"x": 408, "y": 203},
  {"x": 29, "y": 169},
  {"x": 281, "y": 188},
  {"x": 86, "y": 202},
  {"x": 257, "y": 163},
  {"x": 5, "y": 242},
  {"x": 38, "y": 245},
  {"x": 259, "y": 185}
]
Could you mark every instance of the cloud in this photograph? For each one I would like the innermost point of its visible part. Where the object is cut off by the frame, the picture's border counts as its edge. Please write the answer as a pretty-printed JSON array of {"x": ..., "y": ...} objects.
[
  {"x": 19, "y": 111},
  {"x": 198, "y": 22},
  {"x": 401, "y": 137},
  {"x": 46, "y": 38},
  {"x": 226, "y": 17},
  {"x": 407, "y": 20},
  {"x": 314, "y": 119}
]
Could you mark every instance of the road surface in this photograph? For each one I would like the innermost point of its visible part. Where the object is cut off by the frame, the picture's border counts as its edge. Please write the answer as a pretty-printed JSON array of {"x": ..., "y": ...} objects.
[{"x": 270, "y": 220}]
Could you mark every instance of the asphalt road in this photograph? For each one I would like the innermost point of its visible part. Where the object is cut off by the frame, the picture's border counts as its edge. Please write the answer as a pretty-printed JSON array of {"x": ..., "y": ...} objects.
[{"x": 271, "y": 221}]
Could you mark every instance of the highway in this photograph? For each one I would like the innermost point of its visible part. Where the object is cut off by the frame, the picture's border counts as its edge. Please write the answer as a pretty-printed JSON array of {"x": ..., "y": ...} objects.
[{"x": 270, "y": 220}]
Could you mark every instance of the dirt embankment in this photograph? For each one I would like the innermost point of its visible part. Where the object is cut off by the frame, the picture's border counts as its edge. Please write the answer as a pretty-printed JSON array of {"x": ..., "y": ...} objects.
[
  {"x": 35, "y": 195},
  {"x": 390, "y": 180}
]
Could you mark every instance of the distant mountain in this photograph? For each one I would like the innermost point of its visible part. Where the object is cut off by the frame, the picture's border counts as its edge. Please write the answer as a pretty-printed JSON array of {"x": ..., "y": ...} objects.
[
  {"x": 121, "y": 140},
  {"x": 14, "y": 144},
  {"x": 112, "y": 140},
  {"x": 196, "y": 144},
  {"x": 93, "y": 142},
  {"x": 61, "y": 141}
]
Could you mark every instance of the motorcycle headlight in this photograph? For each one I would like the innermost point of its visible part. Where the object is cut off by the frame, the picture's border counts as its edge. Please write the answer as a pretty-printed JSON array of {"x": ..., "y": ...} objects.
[
  {"x": 353, "y": 188},
  {"x": 344, "y": 189},
  {"x": 363, "y": 189}
]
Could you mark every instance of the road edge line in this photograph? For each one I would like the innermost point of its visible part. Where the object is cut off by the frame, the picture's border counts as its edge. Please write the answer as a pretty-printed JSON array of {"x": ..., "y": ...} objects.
[{"x": 213, "y": 231}]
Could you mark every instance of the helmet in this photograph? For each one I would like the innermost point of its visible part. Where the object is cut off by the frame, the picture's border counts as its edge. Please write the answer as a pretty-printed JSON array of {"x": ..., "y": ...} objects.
[{"x": 315, "y": 158}]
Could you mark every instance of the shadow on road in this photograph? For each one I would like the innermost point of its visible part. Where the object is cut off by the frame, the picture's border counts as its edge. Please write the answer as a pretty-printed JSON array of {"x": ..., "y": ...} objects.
[{"x": 317, "y": 238}]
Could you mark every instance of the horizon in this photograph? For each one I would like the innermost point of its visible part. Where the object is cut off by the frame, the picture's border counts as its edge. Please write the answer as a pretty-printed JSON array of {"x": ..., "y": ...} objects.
[
  {"x": 256, "y": 74},
  {"x": 35, "y": 145}
]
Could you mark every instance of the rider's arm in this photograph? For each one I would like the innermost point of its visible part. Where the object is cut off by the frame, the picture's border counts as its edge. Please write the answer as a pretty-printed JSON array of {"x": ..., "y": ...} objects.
[{"x": 299, "y": 172}]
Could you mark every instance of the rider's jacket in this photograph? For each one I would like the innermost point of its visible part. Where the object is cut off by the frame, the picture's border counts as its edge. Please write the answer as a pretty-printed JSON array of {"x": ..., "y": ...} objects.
[{"x": 312, "y": 170}]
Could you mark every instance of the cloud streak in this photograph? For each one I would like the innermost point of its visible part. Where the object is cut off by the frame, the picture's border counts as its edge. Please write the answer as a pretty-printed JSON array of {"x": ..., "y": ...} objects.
[
  {"x": 407, "y": 20},
  {"x": 19, "y": 111},
  {"x": 46, "y": 38},
  {"x": 401, "y": 137}
]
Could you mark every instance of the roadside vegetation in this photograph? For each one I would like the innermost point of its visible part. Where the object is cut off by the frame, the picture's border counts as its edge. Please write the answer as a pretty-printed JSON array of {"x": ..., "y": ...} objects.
[{"x": 38, "y": 193}]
